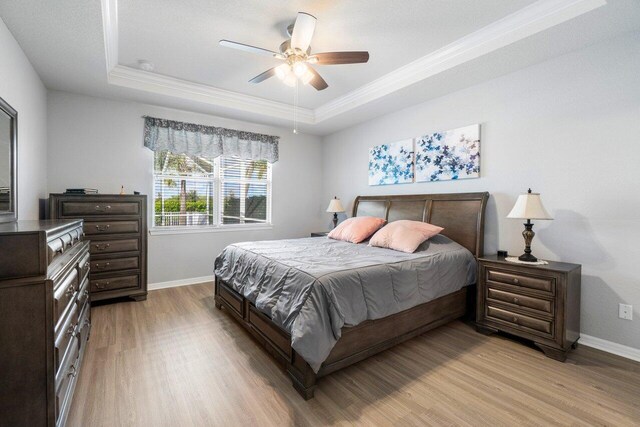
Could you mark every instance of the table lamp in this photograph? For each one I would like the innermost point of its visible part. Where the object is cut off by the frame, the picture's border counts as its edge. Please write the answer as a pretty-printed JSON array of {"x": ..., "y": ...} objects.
[
  {"x": 528, "y": 206},
  {"x": 335, "y": 206}
]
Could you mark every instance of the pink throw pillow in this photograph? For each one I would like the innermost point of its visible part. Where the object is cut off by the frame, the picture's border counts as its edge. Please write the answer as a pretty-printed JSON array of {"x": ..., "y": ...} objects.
[
  {"x": 404, "y": 235},
  {"x": 356, "y": 229}
]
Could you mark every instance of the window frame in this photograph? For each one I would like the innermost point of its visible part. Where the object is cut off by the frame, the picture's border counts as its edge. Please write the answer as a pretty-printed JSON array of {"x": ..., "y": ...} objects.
[{"x": 217, "y": 181}]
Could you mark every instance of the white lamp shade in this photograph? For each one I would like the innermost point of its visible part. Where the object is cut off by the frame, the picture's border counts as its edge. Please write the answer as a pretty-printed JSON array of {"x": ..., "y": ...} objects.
[
  {"x": 335, "y": 206},
  {"x": 529, "y": 206}
]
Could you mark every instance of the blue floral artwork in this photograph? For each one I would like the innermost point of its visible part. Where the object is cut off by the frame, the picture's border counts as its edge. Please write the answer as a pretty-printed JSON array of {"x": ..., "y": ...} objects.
[
  {"x": 391, "y": 163},
  {"x": 453, "y": 154}
]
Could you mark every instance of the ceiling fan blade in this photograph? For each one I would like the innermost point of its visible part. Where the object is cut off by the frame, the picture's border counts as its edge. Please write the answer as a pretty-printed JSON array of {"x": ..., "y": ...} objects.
[
  {"x": 303, "y": 31},
  {"x": 264, "y": 76},
  {"x": 317, "y": 81},
  {"x": 333, "y": 58},
  {"x": 250, "y": 49}
]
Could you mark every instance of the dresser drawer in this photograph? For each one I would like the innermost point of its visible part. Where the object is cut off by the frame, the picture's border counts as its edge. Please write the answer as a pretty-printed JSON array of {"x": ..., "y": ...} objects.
[
  {"x": 545, "y": 306},
  {"x": 55, "y": 248},
  {"x": 99, "y": 208},
  {"x": 69, "y": 367},
  {"x": 128, "y": 263},
  {"x": 84, "y": 325},
  {"x": 110, "y": 227},
  {"x": 64, "y": 335},
  {"x": 65, "y": 381},
  {"x": 64, "y": 294},
  {"x": 83, "y": 294},
  {"x": 520, "y": 321},
  {"x": 83, "y": 267},
  {"x": 113, "y": 283},
  {"x": 110, "y": 246},
  {"x": 543, "y": 284}
]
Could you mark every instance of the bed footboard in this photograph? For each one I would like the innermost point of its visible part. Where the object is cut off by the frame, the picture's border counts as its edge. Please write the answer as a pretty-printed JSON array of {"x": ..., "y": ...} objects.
[{"x": 357, "y": 343}]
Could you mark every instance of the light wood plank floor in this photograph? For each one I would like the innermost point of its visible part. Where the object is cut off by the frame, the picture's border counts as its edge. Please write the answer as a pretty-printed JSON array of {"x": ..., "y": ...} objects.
[{"x": 175, "y": 360}]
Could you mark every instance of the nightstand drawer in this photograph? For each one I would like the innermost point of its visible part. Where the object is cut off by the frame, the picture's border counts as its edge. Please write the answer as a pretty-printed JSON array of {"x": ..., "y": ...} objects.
[
  {"x": 520, "y": 321},
  {"x": 543, "y": 305},
  {"x": 543, "y": 284}
]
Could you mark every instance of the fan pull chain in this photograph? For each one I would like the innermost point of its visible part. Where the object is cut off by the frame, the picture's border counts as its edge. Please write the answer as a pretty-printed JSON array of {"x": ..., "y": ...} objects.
[{"x": 295, "y": 109}]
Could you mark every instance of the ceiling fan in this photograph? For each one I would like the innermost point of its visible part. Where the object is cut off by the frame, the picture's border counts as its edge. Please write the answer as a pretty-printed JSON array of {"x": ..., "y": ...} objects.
[{"x": 296, "y": 52}]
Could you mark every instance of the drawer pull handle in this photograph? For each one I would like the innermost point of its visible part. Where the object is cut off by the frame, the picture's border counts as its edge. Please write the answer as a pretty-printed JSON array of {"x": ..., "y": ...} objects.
[
  {"x": 70, "y": 290},
  {"x": 516, "y": 281},
  {"x": 70, "y": 330},
  {"x": 516, "y": 301},
  {"x": 102, "y": 285},
  {"x": 102, "y": 227},
  {"x": 72, "y": 371},
  {"x": 515, "y": 319},
  {"x": 102, "y": 208},
  {"x": 86, "y": 292},
  {"x": 102, "y": 247},
  {"x": 103, "y": 266}
]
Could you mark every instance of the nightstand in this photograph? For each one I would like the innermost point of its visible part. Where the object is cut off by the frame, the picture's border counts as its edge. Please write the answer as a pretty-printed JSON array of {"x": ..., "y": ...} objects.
[
  {"x": 537, "y": 302},
  {"x": 319, "y": 234}
]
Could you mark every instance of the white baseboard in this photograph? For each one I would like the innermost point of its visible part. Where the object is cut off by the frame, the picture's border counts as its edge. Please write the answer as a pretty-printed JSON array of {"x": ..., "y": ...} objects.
[
  {"x": 181, "y": 282},
  {"x": 610, "y": 347}
]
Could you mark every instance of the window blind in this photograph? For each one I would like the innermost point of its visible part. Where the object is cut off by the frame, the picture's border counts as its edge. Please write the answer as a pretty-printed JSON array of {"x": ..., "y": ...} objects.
[{"x": 196, "y": 191}]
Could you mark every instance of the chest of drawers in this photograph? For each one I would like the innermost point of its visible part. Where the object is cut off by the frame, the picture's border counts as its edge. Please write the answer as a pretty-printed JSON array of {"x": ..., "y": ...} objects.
[
  {"x": 46, "y": 319},
  {"x": 117, "y": 228},
  {"x": 540, "y": 303}
]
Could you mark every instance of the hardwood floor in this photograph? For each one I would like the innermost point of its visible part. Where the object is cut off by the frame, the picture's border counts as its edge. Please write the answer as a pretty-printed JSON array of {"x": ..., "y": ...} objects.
[{"x": 176, "y": 360}]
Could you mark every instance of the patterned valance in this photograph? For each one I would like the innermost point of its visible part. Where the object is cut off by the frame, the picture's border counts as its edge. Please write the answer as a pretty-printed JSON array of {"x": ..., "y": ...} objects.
[{"x": 208, "y": 141}]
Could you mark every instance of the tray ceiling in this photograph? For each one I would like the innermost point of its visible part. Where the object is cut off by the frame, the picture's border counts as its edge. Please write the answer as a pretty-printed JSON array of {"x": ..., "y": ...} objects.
[{"x": 418, "y": 51}]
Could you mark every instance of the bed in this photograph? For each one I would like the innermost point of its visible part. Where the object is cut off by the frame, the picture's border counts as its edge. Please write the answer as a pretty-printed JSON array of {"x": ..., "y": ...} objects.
[{"x": 319, "y": 305}]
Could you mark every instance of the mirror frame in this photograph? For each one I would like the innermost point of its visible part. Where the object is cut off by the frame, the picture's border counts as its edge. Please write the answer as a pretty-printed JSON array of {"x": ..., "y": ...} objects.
[{"x": 11, "y": 216}]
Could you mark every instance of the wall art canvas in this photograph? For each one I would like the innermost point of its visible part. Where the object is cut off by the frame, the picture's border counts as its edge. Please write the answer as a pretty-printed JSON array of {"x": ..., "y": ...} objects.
[
  {"x": 452, "y": 154},
  {"x": 391, "y": 163}
]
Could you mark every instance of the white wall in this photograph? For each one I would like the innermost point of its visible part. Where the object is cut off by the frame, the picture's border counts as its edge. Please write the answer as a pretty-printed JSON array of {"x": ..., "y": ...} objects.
[
  {"x": 21, "y": 87},
  {"x": 568, "y": 128},
  {"x": 98, "y": 143}
]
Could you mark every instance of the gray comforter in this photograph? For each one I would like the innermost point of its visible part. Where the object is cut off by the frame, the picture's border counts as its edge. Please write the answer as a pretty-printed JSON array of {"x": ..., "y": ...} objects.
[{"x": 313, "y": 287}]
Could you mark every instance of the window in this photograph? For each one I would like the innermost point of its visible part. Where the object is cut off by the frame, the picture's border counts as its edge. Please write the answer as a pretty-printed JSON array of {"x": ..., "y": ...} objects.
[{"x": 191, "y": 191}]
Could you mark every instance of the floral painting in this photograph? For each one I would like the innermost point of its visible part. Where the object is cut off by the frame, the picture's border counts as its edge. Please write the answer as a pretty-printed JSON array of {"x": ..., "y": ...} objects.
[
  {"x": 453, "y": 154},
  {"x": 391, "y": 163}
]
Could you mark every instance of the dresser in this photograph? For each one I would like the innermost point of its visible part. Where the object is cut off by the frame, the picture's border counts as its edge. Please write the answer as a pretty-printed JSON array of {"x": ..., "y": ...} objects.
[
  {"x": 46, "y": 319},
  {"x": 117, "y": 228},
  {"x": 539, "y": 303}
]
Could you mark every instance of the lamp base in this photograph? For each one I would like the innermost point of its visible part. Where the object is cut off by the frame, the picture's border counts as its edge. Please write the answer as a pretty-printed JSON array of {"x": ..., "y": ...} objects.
[
  {"x": 528, "y": 237},
  {"x": 335, "y": 220},
  {"x": 527, "y": 258}
]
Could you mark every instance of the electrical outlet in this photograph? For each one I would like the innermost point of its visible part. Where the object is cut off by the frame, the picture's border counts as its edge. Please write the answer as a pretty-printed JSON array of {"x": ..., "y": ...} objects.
[{"x": 625, "y": 311}]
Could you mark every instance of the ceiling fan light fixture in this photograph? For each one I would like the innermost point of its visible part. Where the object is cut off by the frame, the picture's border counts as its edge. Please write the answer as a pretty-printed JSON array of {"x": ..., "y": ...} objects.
[
  {"x": 282, "y": 71},
  {"x": 306, "y": 77},
  {"x": 299, "y": 69},
  {"x": 290, "y": 79},
  {"x": 297, "y": 56}
]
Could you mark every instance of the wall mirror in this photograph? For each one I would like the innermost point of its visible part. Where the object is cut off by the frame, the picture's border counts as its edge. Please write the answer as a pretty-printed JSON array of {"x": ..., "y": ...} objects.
[{"x": 8, "y": 162}]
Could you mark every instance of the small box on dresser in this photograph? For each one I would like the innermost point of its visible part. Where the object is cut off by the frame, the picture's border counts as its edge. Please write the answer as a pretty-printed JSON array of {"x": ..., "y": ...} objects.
[
  {"x": 537, "y": 302},
  {"x": 46, "y": 319},
  {"x": 117, "y": 228}
]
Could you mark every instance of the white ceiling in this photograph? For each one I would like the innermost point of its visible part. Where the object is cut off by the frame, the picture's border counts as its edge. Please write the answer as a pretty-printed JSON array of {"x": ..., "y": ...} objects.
[
  {"x": 65, "y": 41},
  {"x": 183, "y": 41}
]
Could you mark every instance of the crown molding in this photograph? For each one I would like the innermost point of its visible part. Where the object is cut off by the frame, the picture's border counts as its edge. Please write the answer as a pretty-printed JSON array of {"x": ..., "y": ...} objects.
[
  {"x": 134, "y": 78},
  {"x": 526, "y": 22},
  {"x": 517, "y": 26},
  {"x": 110, "y": 32}
]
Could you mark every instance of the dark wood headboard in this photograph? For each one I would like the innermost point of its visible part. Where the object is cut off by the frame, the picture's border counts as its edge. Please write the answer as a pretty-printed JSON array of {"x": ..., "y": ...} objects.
[{"x": 461, "y": 214}]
